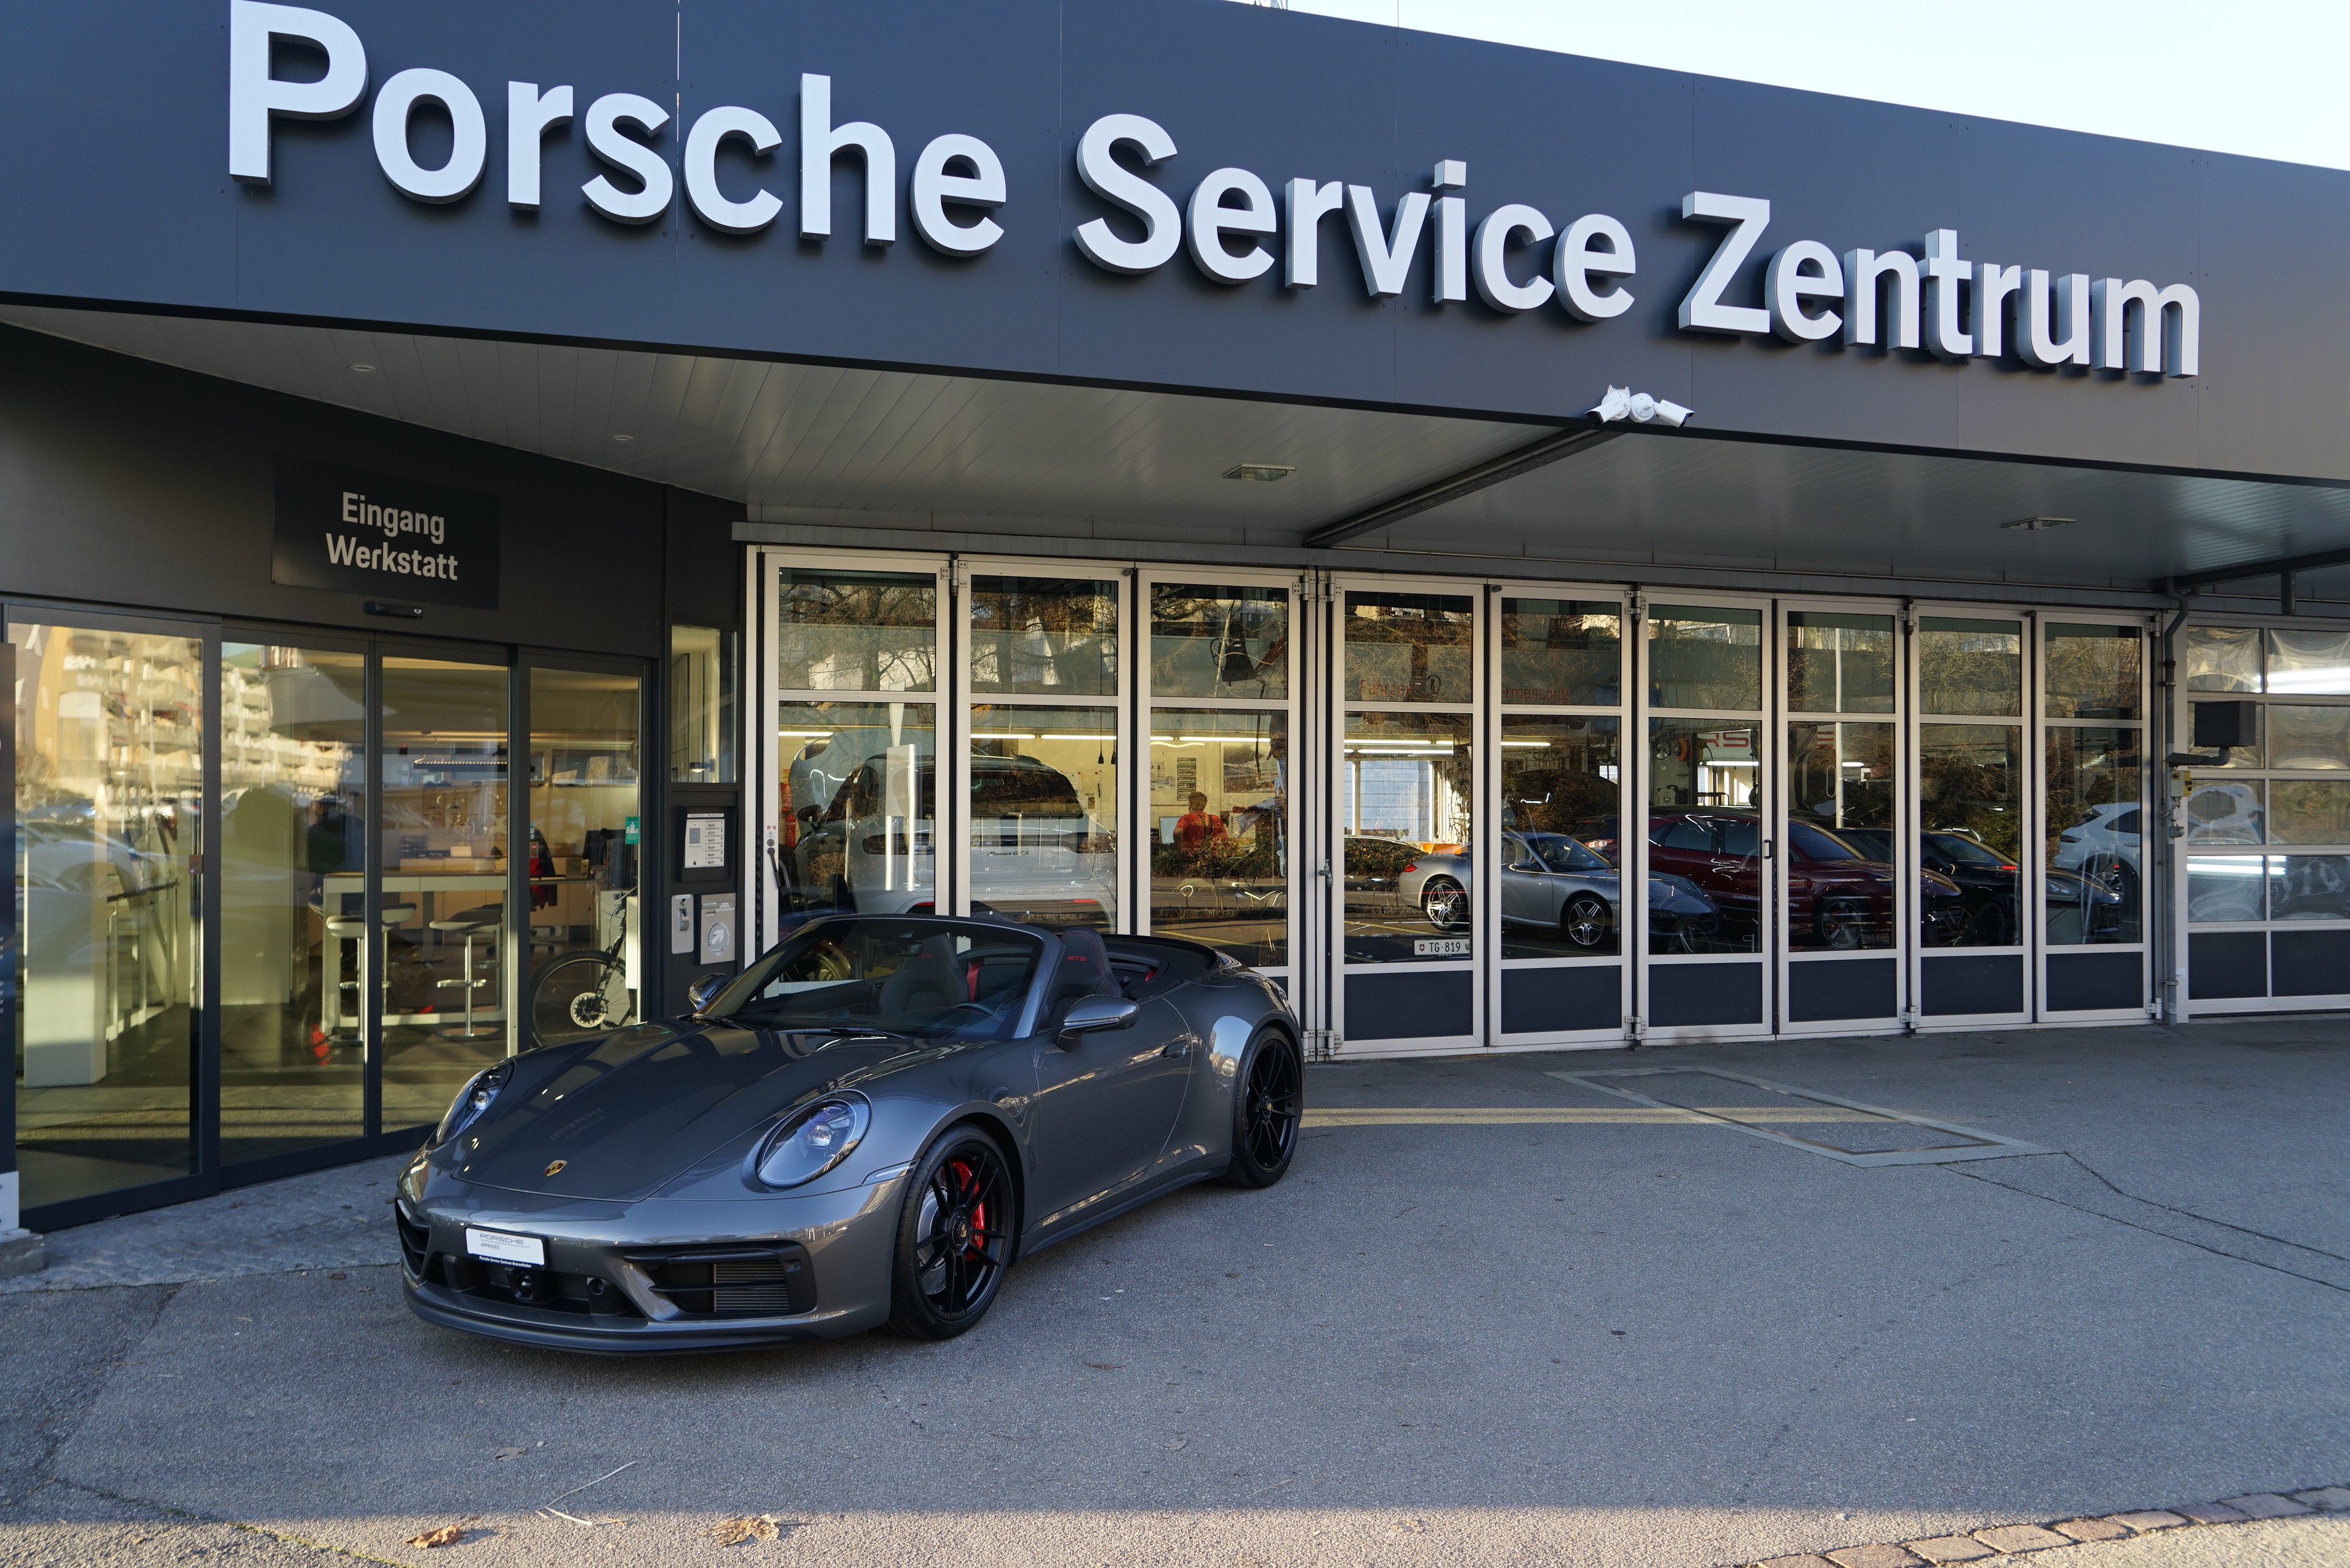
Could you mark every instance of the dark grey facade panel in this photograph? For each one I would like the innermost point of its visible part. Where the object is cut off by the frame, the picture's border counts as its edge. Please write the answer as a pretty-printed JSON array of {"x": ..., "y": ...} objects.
[
  {"x": 1421, "y": 1006},
  {"x": 148, "y": 487},
  {"x": 2088, "y": 980},
  {"x": 2224, "y": 965},
  {"x": 1694, "y": 995},
  {"x": 1846, "y": 989},
  {"x": 1577, "y": 996},
  {"x": 1963, "y": 985},
  {"x": 133, "y": 102}
]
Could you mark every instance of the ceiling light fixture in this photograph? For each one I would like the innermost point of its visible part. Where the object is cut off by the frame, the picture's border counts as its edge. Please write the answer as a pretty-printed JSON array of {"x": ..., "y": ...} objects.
[
  {"x": 364, "y": 369},
  {"x": 1267, "y": 472},
  {"x": 2039, "y": 525},
  {"x": 624, "y": 438}
]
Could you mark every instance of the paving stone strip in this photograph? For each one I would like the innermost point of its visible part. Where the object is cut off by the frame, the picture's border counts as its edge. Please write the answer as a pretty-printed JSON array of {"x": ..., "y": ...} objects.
[{"x": 2015, "y": 1540}]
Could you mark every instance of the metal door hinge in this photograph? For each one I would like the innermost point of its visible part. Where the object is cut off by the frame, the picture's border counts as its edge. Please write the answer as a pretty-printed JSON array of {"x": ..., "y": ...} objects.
[
  {"x": 1636, "y": 606},
  {"x": 1321, "y": 1044},
  {"x": 1636, "y": 1031},
  {"x": 1318, "y": 585}
]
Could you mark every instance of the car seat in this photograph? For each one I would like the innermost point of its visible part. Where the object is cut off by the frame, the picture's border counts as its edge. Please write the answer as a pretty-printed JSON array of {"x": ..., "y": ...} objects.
[
  {"x": 927, "y": 980},
  {"x": 1083, "y": 970}
]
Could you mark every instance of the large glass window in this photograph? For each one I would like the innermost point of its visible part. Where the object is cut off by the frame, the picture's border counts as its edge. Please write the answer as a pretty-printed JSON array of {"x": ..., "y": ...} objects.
[
  {"x": 1566, "y": 653},
  {"x": 701, "y": 706},
  {"x": 1840, "y": 887},
  {"x": 1970, "y": 667},
  {"x": 1561, "y": 782},
  {"x": 856, "y": 631},
  {"x": 441, "y": 942},
  {"x": 1704, "y": 656},
  {"x": 860, "y": 781},
  {"x": 2285, "y": 790},
  {"x": 1221, "y": 642},
  {"x": 1408, "y": 811},
  {"x": 1043, "y": 814},
  {"x": 294, "y": 789},
  {"x": 2094, "y": 825},
  {"x": 1045, "y": 637},
  {"x": 110, "y": 729},
  {"x": 1705, "y": 831},
  {"x": 1410, "y": 647},
  {"x": 1217, "y": 817},
  {"x": 1839, "y": 663},
  {"x": 1219, "y": 830},
  {"x": 586, "y": 853}
]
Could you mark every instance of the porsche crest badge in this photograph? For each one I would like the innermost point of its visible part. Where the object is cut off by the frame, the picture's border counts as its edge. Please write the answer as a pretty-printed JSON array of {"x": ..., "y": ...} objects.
[{"x": 555, "y": 1167}]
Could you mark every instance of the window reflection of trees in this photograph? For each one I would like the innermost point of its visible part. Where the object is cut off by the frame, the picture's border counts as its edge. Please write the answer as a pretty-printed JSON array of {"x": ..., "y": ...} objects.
[
  {"x": 1218, "y": 643},
  {"x": 1410, "y": 647},
  {"x": 1970, "y": 667},
  {"x": 1562, "y": 651},
  {"x": 857, "y": 632},
  {"x": 1969, "y": 783},
  {"x": 2093, "y": 672},
  {"x": 1044, "y": 635},
  {"x": 1703, "y": 657}
]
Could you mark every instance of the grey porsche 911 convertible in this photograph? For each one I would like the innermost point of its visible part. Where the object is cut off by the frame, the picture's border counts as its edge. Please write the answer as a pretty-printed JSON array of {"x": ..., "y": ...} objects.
[{"x": 863, "y": 1130}]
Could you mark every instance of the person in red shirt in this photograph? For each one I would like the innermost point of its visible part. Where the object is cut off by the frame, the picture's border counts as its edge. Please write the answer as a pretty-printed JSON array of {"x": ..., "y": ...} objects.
[{"x": 1197, "y": 826}]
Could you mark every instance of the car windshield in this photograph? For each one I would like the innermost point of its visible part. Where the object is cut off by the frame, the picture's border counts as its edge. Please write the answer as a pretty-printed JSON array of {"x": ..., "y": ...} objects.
[
  {"x": 1558, "y": 852},
  {"x": 930, "y": 979},
  {"x": 1966, "y": 851},
  {"x": 1812, "y": 844}
]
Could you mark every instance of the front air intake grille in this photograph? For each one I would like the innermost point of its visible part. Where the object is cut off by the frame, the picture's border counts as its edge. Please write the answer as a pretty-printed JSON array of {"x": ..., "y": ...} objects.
[
  {"x": 767, "y": 1282},
  {"x": 415, "y": 1242}
]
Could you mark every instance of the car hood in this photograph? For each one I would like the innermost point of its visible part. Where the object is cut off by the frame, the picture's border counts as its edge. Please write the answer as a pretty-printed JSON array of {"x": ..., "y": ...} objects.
[{"x": 628, "y": 1113}]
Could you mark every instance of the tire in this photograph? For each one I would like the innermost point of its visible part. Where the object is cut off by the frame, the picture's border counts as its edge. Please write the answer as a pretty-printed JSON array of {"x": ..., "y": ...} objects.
[
  {"x": 954, "y": 1237},
  {"x": 1268, "y": 1103},
  {"x": 567, "y": 1000},
  {"x": 1444, "y": 903},
  {"x": 1584, "y": 922},
  {"x": 1841, "y": 924}
]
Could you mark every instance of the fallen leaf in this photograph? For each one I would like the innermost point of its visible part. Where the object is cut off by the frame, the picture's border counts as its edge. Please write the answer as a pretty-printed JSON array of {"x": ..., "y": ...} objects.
[
  {"x": 1107, "y": 1365},
  {"x": 747, "y": 1527},
  {"x": 447, "y": 1535},
  {"x": 1179, "y": 1442},
  {"x": 508, "y": 1453},
  {"x": 338, "y": 1276}
]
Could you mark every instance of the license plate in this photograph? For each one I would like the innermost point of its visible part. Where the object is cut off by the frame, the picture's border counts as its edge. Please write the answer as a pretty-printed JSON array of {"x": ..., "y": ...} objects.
[
  {"x": 507, "y": 1248},
  {"x": 1439, "y": 947}
]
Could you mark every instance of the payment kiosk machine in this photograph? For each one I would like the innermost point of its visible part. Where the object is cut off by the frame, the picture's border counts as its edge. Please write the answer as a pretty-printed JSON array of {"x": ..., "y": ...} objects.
[{"x": 702, "y": 928}]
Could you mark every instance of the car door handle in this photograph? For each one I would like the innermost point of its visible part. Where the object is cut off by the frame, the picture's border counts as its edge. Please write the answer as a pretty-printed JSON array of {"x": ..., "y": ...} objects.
[{"x": 1179, "y": 1047}]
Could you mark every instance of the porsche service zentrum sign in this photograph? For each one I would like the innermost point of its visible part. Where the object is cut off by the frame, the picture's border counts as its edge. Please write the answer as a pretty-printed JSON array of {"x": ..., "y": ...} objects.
[{"x": 1232, "y": 222}]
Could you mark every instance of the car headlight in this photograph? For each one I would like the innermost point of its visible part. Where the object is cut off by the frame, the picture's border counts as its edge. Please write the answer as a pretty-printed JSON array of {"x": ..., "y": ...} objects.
[
  {"x": 471, "y": 1100},
  {"x": 813, "y": 1141}
]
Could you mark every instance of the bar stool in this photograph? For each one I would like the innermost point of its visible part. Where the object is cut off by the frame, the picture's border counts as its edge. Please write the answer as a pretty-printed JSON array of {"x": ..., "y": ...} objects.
[
  {"x": 352, "y": 928},
  {"x": 469, "y": 924}
]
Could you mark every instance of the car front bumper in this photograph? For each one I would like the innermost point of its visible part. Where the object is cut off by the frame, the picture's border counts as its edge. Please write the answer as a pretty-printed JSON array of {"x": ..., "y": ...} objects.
[{"x": 657, "y": 1277}]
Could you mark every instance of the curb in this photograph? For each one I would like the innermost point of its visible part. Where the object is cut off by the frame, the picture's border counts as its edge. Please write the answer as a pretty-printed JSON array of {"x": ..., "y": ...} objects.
[{"x": 1996, "y": 1540}]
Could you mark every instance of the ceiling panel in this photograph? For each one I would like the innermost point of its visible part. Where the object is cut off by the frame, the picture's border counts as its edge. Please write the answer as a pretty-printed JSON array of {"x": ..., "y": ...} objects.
[{"x": 784, "y": 437}]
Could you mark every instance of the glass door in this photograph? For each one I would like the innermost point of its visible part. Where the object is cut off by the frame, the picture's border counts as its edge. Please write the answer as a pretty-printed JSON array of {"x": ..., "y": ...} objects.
[
  {"x": 586, "y": 847},
  {"x": 2093, "y": 761},
  {"x": 1044, "y": 695},
  {"x": 1974, "y": 801},
  {"x": 1217, "y": 806},
  {"x": 1557, "y": 899},
  {"x": 111, "y": 720},
  {"x": 1844, "y": 884},
  {"x": 851, "y": 748},
  {"x": 1710, "y": 829},
  {"x": 295, "y": 795},
  {"x": 1405, "y": 783},
  {"x": 441, "y": 948}
]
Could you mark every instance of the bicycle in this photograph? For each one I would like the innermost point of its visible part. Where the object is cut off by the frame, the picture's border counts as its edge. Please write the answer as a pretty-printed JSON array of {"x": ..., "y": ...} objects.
[{"x": 573, "y": 995}]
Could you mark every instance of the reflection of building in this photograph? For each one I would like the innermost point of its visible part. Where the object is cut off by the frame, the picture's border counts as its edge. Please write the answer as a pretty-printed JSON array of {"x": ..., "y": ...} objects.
[{"x": 1000, "y": 582}]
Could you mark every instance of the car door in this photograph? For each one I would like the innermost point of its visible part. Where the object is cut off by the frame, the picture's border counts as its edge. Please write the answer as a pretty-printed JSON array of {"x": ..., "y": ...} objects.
[
  {"x": 1106, "y": 1105},
  {"x": 1523, "y": 892}
]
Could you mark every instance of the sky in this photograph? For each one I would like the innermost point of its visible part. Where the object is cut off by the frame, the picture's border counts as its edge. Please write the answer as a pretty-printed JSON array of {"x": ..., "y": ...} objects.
[{"x": 2262, "y": 77}]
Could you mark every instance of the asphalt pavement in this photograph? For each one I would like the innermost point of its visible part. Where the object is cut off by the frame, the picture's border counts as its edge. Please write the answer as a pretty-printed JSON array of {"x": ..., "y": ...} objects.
[{"x": 1494, "y": 1316}]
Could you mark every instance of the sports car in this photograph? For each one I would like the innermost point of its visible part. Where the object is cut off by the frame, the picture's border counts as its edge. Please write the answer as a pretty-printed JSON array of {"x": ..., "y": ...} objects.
[{"x": 865, "y": 1128}]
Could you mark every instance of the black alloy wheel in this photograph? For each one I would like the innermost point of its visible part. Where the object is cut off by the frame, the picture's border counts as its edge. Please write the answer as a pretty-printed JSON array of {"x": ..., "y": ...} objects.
[
  {"x": 1584, "y": 922},
  {"x": 954, "y": 1237},
  {"x": 1445, "y": 903},
  {"x": 1268, "y": 1102}
]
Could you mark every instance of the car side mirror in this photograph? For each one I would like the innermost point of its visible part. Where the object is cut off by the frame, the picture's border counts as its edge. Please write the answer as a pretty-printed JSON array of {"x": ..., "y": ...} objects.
[
  {"x": 704, "y": 992},
  {"x": 1093, "y": 1015}
]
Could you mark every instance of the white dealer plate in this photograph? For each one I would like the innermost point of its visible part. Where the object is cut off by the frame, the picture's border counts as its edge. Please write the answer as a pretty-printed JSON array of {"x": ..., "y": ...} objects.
[
  {"x": 507, "y": 1248},
  {"x": 1440, "y": 947}
]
